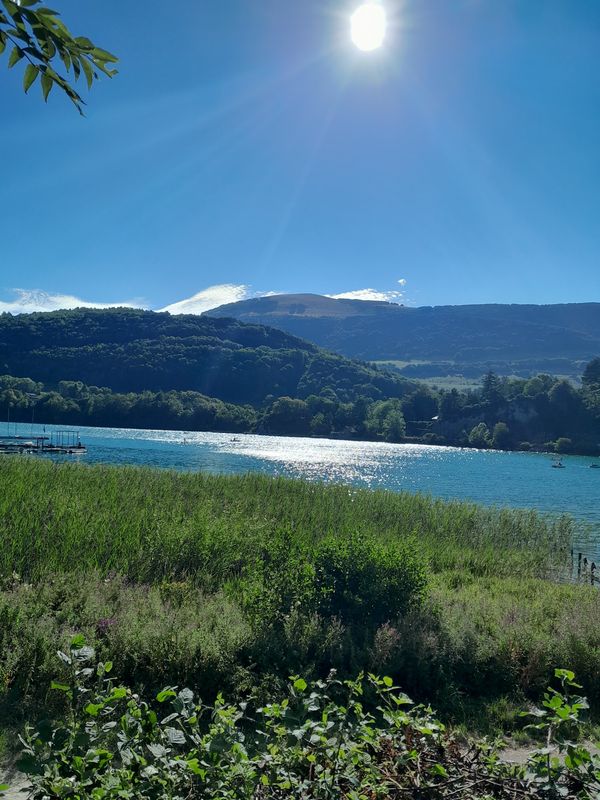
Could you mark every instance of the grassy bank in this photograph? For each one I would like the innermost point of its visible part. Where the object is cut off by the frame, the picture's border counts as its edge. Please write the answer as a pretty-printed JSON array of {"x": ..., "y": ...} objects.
[
  {"x": 235, "y": 583},
  {"x": 150, "y": 524}
]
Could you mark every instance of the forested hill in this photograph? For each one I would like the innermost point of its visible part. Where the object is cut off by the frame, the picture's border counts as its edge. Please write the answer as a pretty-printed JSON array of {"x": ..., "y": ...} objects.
[
  {"x": 508, "y": 338},
  {"x": 130, "y": 350}
]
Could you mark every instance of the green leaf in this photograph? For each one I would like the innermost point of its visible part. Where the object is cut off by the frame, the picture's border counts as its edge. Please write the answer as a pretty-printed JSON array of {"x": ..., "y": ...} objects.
[
  {"x": 61, "y": 687},
  {"x": 47, "y": 84},
  {"x": 157, "y": 750},
  {"x": 85, "y": 43},
  {"x": 194, "y": 766},
  {"x": 88, "y": 71},
  {"x": 29, "y": 77},
  {"x": 388, "y": 681},
  {"x": 165, "y": 694},
  {"x": 84, "y": 653},
  {"x": 300, "y": 684},
  {"x": 77, "y": 641},
  {"x": 65, "y": 58},
  {"x": 103, "y": 56},
  {"x": 15, "y": 56},
  {"x": 2, "y": 42},
  {"x": 439, "y": 769},
  {"x": 175, "y": 736}
]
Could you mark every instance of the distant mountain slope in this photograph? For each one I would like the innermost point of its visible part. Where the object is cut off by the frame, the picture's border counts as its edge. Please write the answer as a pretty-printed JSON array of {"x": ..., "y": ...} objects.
[
  {"x": 464, "y": 335},
  {"x": 129, "y": 350}
]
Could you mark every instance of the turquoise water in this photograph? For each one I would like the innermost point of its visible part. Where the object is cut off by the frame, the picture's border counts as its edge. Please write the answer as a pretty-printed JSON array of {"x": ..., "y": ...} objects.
[{"x": 524, "y": 480}]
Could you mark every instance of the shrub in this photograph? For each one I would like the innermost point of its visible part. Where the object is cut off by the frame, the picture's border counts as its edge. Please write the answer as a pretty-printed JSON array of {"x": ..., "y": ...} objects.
[{"x": 366, "y": 582}]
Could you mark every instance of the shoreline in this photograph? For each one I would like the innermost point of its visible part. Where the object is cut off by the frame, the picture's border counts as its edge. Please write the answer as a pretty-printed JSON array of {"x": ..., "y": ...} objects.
[{"x": 341, "y": 437}]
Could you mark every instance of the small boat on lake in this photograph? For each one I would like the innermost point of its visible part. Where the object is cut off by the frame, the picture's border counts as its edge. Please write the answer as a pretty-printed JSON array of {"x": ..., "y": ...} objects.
[
  {"x": 594, "y": 466},
  {"x": 558, "y": 465}
]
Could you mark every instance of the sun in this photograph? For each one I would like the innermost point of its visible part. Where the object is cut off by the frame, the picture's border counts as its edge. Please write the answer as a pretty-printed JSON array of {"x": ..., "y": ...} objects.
[{"x": 368, "y": 26}]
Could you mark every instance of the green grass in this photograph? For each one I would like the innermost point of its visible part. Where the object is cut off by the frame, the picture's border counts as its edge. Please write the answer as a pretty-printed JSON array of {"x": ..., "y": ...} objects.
[
  {"x": 150, "y": 524},
  {"x": 235, "y": 583}
]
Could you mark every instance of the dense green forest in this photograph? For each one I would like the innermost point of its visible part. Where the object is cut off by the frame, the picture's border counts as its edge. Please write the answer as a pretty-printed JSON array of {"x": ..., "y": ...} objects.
[
  {"x": 74, "y": 403},
  {"x": 441, "y": 340},
  {"x": 128, "y": 350},
  {"x": 540, "y": 413}
]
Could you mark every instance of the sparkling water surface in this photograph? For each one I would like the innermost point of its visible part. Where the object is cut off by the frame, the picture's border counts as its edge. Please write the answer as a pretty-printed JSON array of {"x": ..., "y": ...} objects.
[{"x": 523, "y": 480}]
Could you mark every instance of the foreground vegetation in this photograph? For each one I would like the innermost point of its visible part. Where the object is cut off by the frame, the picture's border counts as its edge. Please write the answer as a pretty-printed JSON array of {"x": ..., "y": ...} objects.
[
  {"x": 315, "y": 742},
  {"x": 234, "y": 583}
]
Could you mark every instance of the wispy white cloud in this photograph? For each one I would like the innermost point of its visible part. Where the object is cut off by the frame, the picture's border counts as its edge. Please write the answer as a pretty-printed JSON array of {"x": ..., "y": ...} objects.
[
  {"x": 211, "y": 297},
  {"x": 26, "y": 301},
  {"x": 393, "y": 296}
]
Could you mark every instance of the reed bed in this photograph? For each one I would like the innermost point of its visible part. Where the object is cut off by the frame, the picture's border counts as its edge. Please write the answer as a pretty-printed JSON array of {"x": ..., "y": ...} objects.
[{"x": 154, "y": 524}]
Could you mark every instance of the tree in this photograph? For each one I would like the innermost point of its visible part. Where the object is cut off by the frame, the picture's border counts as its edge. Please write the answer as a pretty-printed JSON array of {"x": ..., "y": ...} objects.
[
  {"x": 288, "y": 415},
  {"x": 563, "y": 445},
  {"x": 421, "y": 405},
  {"x": 319, "y": 425},
  {"x": 491, "y": 392},
  {"x": 591, "y": 375},
  {"x": 501, "y": 438},
  {"x": 451, "y": 404},
  {"x": 385, "y": 419},
  {"x": 480, "y": 436},
  {"x": 566, "y": 401},
  {"x": 36, "y": 35}
]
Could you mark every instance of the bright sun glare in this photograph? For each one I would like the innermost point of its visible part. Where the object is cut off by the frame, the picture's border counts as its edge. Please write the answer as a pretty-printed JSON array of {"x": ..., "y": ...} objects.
[{"x": 368, "y": 25}]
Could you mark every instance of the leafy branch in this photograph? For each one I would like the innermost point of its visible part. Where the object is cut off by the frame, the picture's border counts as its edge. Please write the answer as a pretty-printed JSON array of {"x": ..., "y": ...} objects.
[
  {"x": 35, "y": 34},
  {"x": 318, "y": 742}
]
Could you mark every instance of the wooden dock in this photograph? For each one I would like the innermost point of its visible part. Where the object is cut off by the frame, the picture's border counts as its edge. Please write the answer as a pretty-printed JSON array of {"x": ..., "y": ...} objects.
[{"x": 57, "y": 443}]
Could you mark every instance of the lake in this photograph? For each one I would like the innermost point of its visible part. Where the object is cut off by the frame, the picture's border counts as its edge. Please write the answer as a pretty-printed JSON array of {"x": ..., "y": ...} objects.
[{"x": 524, "y": 480}]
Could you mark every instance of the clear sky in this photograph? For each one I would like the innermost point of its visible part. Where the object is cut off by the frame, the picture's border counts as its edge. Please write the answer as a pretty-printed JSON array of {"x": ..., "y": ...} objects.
[{"x": 251, "y": 144}]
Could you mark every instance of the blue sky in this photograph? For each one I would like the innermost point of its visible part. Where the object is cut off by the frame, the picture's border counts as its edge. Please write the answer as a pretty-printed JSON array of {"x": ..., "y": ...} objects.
[{"x": 250, "y": 146}]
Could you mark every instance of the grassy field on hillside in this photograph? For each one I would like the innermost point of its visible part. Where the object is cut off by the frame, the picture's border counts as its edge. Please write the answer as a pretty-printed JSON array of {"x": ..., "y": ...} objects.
[{"x": 234, "y": 583}]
